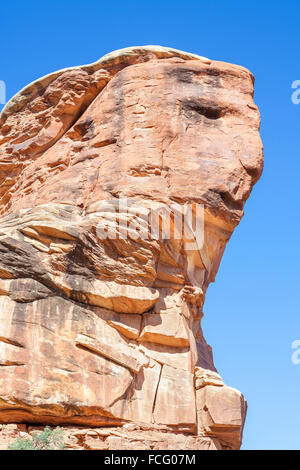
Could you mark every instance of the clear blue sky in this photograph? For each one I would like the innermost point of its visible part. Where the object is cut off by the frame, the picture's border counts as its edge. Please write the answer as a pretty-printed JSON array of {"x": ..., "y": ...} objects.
[{"x": 252, "y": 310}]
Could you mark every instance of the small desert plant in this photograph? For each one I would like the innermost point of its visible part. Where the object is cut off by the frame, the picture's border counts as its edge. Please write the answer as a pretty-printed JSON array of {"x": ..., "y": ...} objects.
[{"x": 48, "y": 439}]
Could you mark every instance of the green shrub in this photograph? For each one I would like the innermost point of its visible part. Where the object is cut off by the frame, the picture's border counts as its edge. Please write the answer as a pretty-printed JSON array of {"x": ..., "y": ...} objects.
[{"x": 48, "y": 439}]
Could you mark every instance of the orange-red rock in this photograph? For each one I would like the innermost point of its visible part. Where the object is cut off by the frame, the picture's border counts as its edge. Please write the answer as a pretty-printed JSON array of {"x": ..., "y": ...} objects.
[{"x": 97, "y": 328}]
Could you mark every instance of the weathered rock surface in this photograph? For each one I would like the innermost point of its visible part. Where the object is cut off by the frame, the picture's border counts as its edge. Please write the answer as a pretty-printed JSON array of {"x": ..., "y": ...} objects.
[{"x": 100, "y": 304}]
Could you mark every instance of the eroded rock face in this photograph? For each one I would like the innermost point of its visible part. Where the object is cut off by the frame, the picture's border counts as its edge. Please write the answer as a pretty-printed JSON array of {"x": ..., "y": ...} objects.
[{"x": 101, "y": 329}]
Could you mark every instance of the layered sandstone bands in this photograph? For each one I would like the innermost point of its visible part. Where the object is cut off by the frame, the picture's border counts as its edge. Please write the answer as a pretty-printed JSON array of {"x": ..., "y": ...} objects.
[{"x": 103, "y": 335}]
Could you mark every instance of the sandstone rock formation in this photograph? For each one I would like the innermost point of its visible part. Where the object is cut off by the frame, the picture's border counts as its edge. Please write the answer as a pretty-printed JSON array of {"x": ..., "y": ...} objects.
[{"x": 100, "y": 332}]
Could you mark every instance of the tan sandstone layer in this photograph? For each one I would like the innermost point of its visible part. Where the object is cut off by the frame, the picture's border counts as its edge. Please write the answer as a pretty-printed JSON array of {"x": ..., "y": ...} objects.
[{"x": 102, "y": 335}]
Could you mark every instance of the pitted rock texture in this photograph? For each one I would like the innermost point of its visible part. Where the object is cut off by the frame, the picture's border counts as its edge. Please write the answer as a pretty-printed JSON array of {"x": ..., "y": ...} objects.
[{"x": 104, "y": 332}]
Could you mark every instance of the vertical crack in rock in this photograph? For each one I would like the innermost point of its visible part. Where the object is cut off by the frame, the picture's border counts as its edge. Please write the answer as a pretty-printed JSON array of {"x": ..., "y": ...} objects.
[{"x": 156, "y": 391}]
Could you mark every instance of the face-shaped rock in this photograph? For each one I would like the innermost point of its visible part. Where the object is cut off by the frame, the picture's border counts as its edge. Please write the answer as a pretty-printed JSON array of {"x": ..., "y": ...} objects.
[{"x": 100, "y": 297}]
